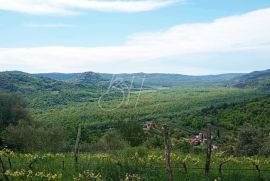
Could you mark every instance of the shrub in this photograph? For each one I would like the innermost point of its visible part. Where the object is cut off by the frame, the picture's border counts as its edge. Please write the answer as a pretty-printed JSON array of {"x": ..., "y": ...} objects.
[{"x": 31, "y": 136}]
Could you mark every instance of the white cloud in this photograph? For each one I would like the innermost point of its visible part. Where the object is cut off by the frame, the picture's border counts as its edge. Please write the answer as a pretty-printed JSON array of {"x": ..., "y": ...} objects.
[
  {"x": 71, "y": 7},
  {"x": 231, "y": 33},
  {"x": 237, "y": 33}
]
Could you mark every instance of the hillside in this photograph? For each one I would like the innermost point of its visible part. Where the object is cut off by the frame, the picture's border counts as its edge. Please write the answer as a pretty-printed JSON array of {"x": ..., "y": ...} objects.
[
  {"x": 153, "y": 80},
  {"x": 259, "y": 79},
  {"x": 58, "y": 76},
  {"x": 53, "y": 89},
  {"x": 190, "y": 107},
  {"x": 185, "y": 109},
  {"x": 85, "y": 78},
  {"x": 45, "y": 92},
  {"x": 27, "y": 84},
  {"x": 255, "y": 111},
  {"x": 89, "y": 78}
]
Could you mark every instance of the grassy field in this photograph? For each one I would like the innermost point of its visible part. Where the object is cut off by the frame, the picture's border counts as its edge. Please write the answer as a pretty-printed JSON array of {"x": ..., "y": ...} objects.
[{"x": 130, "y": 164}]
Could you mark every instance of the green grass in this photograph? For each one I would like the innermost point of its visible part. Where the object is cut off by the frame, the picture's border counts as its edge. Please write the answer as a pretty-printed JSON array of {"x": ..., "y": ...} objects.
[{"x": 146, "y": 164}]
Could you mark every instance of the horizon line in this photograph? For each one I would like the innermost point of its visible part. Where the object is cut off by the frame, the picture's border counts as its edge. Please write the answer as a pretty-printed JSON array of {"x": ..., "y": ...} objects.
[{"x": 35, "y": 73}]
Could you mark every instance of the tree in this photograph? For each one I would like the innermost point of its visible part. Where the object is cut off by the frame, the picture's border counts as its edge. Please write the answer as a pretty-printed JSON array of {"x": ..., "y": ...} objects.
[
  {"x": 12, "y": 109},
  {"x": 32, "y": 136},
  {"x": 132, "y": 132},
  {"x": 248, "y": 142},
  {"x": 112, "y": 141},
  {"x": 265, "y": 149}
]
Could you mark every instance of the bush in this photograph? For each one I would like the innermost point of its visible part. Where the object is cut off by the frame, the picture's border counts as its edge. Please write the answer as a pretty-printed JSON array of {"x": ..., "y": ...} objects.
[
  {"x": 154, "y": 142},
  {"x": 110, "y": 141},
  {"x": 265, "y": 149},
  {"x": 132, "y": 132},
  {"x": 12, "y": 109},
  {"x": 248, "y": 142},
  {"x": 29, "y": 136},
  {"x": 183, "y": 146}
]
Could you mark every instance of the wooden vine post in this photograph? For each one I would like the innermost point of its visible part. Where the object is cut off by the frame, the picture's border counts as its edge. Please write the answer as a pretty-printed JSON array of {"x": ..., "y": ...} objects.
[
  {"x": 209, "y": 149},
  {"x": 167, "y": 144},
  {"x": 5, "y": 177},
  {"x": 76, "y": 148},
  {"x": 164, "y": 131}
]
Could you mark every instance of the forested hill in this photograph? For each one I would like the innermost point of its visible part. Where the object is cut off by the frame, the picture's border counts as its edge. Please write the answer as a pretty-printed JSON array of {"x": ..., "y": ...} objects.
[
  {"x": 173, "y": 80},
  {"x": 259, "y": 79},
  {"x": 59, "y": 76},
  {"x": 150, "y": 80},
  {"x": 89, "y": 78},
  {"x": 254, "y": 79},
  {"x": 46, "y": 92},
  {"x": 75, "y": 100},
  {"x": 255, "y": 111},
  {"x": 24, "y": 83}
]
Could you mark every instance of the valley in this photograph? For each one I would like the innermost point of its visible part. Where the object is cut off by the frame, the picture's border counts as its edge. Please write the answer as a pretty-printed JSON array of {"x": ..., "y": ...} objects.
[{"x": 111, "y": 112}]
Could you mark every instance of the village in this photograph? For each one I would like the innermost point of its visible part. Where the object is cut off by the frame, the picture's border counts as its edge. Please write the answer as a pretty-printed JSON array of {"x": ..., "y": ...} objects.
[{"x": 196, "y": 140}]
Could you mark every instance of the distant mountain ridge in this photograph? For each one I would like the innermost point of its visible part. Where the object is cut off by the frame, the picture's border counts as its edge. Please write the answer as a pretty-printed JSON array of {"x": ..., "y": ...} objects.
[
  {"x": 154, "y": 80},
  {"x": 89, "y": 78},
  {"x": 58, "y": 76},
  {"x": 149, "y": 79},
  {"x": 51, "y": 89},
  {"x": 16, "y": 81},
  {"x": 44, "y": 91},
  {"x": 259, "y": 79}
]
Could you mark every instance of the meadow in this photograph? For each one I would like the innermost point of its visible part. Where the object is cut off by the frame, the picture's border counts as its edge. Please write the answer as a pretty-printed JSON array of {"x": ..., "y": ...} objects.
[{"x": 131, "y": 164}]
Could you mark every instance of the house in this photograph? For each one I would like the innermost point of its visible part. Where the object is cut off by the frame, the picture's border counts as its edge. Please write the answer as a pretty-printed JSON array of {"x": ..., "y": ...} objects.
[
  {"x": 199, "y": 140},
  {"x": 148, "y": 125}
]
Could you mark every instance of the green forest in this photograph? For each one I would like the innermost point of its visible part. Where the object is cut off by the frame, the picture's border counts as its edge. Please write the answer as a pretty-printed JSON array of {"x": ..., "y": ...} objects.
[{"x": 92, "y": 126}]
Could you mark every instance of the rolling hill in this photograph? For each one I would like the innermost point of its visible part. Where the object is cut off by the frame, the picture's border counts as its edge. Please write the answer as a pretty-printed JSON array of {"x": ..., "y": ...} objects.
[
  {"x": 46, "y": 92},
  {"x": 53, "y": 89},
  {"x": 205, "y": 99},
  {"x": 154, "y": 80},
  {"x": 259, "y": 79}
]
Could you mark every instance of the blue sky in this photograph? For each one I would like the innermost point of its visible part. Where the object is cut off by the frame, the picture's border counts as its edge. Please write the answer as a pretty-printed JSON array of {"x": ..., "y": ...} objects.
[{"x": 171, "y": 36}]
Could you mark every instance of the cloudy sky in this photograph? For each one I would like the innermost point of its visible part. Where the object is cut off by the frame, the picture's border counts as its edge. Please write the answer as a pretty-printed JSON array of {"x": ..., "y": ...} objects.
[{"x": 194, "y": 37}]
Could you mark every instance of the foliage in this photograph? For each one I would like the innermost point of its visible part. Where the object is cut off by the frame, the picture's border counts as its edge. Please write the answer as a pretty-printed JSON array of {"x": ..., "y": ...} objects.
[
  {"x": 259, "y": 79},
  {"x": 248, "y": 141},
  {"x": 110, "y": 141},
  {"x": 31, "y": 136},
  {"x": 29, "y": 175},
  {"x": 41, "y": 92},
  {"x": 132, "y": 132},
  {"x": 12, "y": 109},
  {"x": 88, "y": 175},
  {"x": 134, "y": 164}
]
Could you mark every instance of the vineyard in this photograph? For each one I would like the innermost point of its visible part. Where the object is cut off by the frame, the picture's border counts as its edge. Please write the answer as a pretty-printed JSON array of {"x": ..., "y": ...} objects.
[{"x": 131, "y": 164}]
